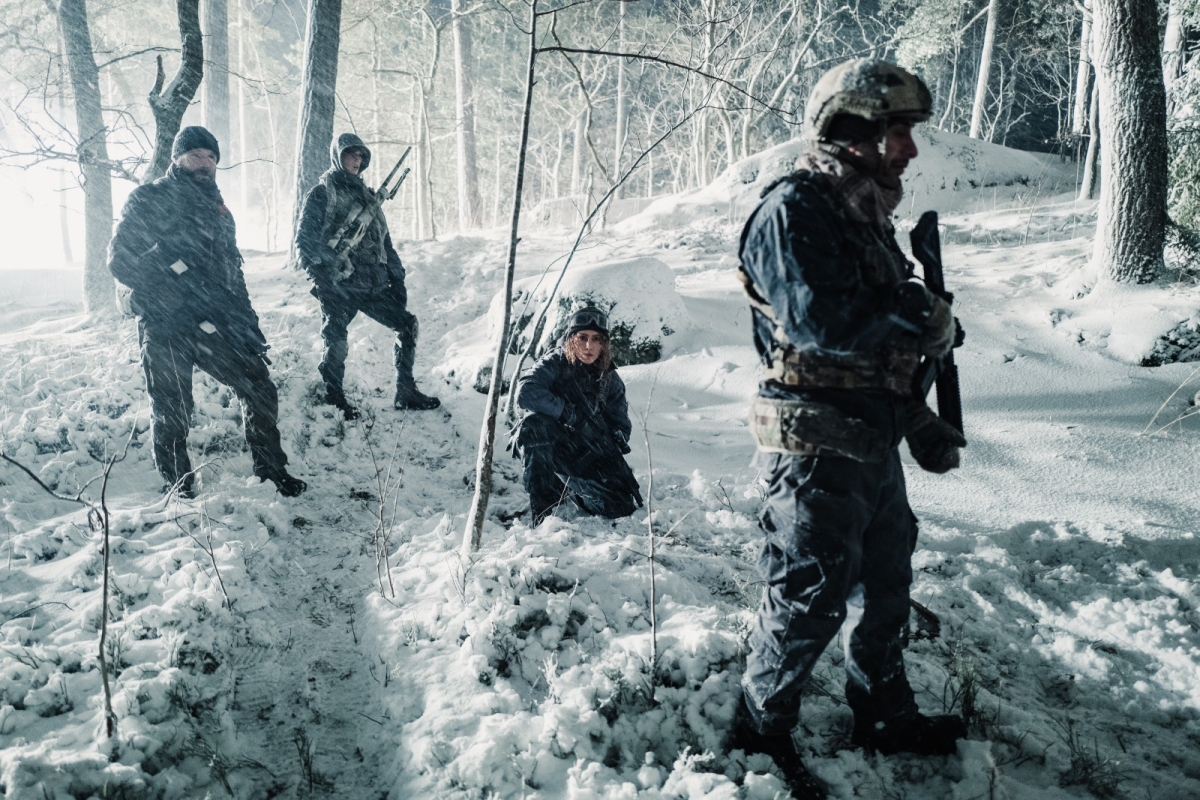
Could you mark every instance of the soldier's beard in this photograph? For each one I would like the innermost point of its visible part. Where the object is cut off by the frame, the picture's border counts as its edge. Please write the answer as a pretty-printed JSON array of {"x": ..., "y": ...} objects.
[{"x": 201, "y": 175}]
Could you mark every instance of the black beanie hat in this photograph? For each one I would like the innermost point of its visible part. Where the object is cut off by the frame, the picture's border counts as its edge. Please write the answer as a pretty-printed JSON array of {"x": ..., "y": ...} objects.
[
  {"x": 192, "y": 137},
  {"x": 588, "y": 319}
]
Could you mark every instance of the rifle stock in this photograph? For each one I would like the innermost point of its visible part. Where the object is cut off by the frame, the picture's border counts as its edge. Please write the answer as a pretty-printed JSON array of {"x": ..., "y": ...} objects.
[{"x": 943, "y": 372}]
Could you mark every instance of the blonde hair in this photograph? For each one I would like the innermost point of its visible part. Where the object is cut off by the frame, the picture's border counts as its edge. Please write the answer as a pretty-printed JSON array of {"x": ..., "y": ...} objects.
[{"x": 572, "y": 349}]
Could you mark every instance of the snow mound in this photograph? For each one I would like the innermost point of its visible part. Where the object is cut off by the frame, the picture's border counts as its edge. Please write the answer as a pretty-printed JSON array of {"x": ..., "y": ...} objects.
[
  {"x": 646, "y": 315},
  {"x": 953, "y": 171}
]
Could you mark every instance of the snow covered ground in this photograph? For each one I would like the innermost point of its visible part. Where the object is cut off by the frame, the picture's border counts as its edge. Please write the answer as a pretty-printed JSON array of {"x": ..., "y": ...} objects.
[{"x": 258, "y": 650}]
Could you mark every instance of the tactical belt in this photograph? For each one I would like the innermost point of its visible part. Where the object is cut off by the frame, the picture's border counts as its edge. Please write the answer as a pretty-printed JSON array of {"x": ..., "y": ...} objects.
[
  {"x": 808, "y": 428},
  {"x": 891, "y": 368}
]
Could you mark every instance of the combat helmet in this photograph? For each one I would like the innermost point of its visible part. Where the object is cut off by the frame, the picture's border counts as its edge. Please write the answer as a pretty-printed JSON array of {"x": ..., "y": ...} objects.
[{"x": 869, "y": 89}]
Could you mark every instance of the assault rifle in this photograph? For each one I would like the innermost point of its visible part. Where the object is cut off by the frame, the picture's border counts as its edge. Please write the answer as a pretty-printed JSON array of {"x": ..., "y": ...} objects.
[
  {"x": 927, "y": 248},
  {"x": 354, "y": 226}
]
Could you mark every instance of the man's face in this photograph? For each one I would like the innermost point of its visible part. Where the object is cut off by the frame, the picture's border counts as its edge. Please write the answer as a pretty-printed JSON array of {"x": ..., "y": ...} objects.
[
  {"x": 591, "y": 345},
  {"x": 200, "y": 163},
  {"x": 352, "y": 160},
  {"x": 891, "y": 156}
]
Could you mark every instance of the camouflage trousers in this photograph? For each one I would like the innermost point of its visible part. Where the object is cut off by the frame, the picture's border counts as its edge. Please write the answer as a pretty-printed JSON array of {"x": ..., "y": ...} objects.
[
  {"x": 388, "y": 309},
  {"x": 838, "y": 549},
  {"x": 168, "y": 357}
]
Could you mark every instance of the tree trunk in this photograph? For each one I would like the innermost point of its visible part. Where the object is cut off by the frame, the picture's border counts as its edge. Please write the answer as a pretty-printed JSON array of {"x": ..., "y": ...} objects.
[
  {"x": 985, "y": 69},
  {"x": 579, "y": 147},
  {"x": 1083, "y": 74},
  {"x": 243, "y": 142},
  {"x": 469, "y": 205},
  {"x": 622, "y": 125},
  {"x": 322, "y": 41},
  {"x": 1091, "y": 162},
  {"x": 1133, "y": 125},
  {"x": 170, "y": 104},
  {"x": 487, "y": 436},
  {"x": 1173, "y": 45},
  {"x": 92, "y": 151},
  {"x": 215, "y": 101}
]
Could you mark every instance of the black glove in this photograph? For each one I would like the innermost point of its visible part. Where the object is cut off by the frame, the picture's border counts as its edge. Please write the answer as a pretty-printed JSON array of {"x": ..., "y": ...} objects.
[
  {"x": 621, "y": 442},
  {"x": 933, "y": 442}
]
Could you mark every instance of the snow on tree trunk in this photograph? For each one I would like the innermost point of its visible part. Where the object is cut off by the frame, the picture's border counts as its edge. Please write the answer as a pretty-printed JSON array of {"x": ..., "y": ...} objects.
[
  {"x": 1133, "y": 126},
  {"x": 76, "y": 36},
  {"x": 985, "y": 69},
  {"x": 487, "y": 435},
  {"x": 469, "y": 211},
  {"x": 170, "y": 104},
  {"x": 215, "y": 101},
  {"x": 1083, "y": 74},
  {"x": 322, "y": 41}
]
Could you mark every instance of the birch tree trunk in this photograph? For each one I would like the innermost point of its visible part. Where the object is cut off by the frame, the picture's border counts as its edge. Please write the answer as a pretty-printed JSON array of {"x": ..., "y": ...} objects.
[
  {"x": 243, "y": 142},
  {"x": 1083, "y": 75},
  {"x": 1133, "y": 125},
  {"x": 215, "y": 101},
  {"x": 579, "y": 147},
  {"x": 1091, "y": 162},
  {"x": 170, "y": 104},
  {"x": 92, "y": 149},
  {"x": 985, "y": 69},
  {"x": 469, "y": 204},
  {"x": 322, "y": 41},
  {"x": 473, "y": 535},
  {"x": 1173, "y": 45},
  {"x": 622, "y": 125}
]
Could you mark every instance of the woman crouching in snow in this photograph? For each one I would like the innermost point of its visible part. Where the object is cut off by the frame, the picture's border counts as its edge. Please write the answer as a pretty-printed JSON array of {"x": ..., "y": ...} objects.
[{"x": 575, "y": 431}]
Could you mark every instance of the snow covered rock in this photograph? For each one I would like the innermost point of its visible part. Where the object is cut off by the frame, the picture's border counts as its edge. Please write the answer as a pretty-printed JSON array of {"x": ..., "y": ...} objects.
[{"x": 645, "y": 314}]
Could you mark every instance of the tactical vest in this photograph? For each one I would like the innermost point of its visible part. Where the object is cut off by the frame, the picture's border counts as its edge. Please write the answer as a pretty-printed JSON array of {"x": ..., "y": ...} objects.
[
  {"x": 338, "y": 205},
  {"x": 808, "y": 427}
]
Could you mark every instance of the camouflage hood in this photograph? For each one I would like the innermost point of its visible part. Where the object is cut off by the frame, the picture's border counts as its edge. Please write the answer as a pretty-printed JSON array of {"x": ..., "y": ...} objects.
[
  {"x": 343, "y": 143},
  {"x": 860, "y": 193}
]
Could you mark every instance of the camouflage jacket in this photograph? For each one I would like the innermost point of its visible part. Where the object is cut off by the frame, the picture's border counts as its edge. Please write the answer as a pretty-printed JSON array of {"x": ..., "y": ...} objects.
[{"x": 820, "y": 253}]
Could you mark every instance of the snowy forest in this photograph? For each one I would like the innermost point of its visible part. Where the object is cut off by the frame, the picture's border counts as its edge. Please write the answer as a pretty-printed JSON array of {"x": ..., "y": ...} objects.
[{"x": 406, "y": 627}]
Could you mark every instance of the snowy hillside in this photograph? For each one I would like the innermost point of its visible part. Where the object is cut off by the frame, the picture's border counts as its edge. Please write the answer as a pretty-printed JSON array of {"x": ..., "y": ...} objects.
[{"x": 258, "y": 649}]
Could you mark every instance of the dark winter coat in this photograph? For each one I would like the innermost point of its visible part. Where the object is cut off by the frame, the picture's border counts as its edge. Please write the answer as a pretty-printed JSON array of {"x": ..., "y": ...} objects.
[
  {"x": 175, "y": 249},
  {"x": 376, "y": 265},
  {"x": 821, "y": 250},
  {"x": 576, "y": 395}
]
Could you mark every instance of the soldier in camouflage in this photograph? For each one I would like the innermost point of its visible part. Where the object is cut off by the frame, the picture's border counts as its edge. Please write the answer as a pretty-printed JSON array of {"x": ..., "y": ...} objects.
[
  {"x": 370, "y": 280},
  {"x": 840, "y": 325}
]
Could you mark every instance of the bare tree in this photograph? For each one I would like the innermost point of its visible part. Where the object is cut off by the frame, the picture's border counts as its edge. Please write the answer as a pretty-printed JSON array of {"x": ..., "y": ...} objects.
[
  {"x": 1132, "y": 106},
  {"x": 170, "y": 103},
  {"x": 985, "y": 70},
  {"x": 92, "y": 150},
  {"x": 1083, "y": 75}
]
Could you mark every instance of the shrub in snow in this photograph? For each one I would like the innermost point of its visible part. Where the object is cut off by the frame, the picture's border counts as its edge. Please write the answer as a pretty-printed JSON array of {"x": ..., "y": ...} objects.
[{"x": 645, "y": 314}]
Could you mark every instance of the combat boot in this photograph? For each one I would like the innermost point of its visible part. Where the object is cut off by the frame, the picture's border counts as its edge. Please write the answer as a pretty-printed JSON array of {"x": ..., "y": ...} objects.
[
  {"x": 408, "y": 397},
  {"x": 338, "y": 400},
  {"x": 185, "y": 487},
  {"x": 782, "y": 750},
  {"x": 287, "y": 484},
  {"x": 913, "y": 733}
]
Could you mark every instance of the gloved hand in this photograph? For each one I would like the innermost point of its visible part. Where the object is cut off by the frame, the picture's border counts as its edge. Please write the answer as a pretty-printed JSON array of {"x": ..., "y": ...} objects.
[
  {"x": 940, "y": 329},
  {"x": 621, "y": 442},
  {"x": 933, "y": 442}
]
